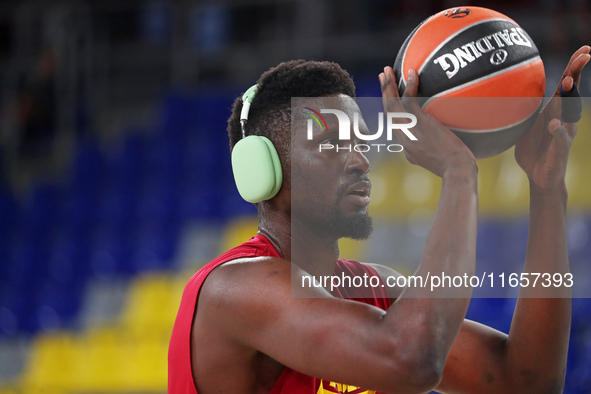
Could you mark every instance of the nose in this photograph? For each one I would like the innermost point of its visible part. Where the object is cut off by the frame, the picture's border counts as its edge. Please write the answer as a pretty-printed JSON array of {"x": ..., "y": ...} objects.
[{"x": 357, "y": 162}]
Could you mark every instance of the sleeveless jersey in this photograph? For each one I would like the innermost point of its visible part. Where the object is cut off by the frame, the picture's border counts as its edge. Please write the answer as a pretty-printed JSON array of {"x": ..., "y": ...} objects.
[{"x": 180, "y": 376}]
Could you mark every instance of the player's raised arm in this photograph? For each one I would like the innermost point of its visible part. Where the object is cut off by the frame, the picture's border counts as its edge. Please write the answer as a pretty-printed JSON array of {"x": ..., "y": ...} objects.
[
  {"x": 532, "y": 358},
  {"x": 451, "y": 244},
  {"x": 539, "y": 335}
]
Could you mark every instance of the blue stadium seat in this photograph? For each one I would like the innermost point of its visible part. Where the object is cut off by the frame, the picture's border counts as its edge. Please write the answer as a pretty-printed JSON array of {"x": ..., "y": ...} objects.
[
  {"x": 491, "y": 312},
  {"x": 86, "y": 183},
  {"x": 156, "y": 245},
  {"x": 9, "y": 212},
  {"x": 489, "y": 243},
  {"x": 579, "y": 237},
  {"x": 582, "y": 312},
  {"x": 177, "y": 109},
  {"x": 58, "y": 302},
  {"x": 112, "y": 251}
]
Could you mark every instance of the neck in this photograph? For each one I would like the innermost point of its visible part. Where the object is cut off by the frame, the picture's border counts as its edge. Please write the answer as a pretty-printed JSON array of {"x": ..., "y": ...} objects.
[{"x": 310, "y": 249}]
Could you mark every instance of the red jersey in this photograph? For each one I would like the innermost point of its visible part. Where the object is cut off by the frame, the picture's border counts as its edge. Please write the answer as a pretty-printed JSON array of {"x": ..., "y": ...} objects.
[{"x": 180, "y": 376}]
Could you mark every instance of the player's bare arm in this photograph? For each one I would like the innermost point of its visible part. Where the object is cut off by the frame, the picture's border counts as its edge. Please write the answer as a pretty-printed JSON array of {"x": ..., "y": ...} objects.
[
  {"x": 532, "y": 358},
  {"x": 319, "y": 335}
]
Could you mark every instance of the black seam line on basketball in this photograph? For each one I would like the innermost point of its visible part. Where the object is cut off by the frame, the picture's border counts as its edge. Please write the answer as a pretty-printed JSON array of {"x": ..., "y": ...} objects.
[
  {"x": 480, "y": 79},
  {"x": 472, "y": 132},
  {"x": 454, "y": 35},
  {"x": 404, "y": 48}
]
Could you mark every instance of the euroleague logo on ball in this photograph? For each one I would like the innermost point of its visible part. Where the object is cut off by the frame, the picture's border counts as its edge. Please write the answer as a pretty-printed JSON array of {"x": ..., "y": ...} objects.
[{"x": 457, "y": 13}]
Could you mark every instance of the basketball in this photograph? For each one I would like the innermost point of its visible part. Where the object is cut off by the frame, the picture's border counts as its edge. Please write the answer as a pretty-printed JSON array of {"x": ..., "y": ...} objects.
[{"x": 480, "y": 74}]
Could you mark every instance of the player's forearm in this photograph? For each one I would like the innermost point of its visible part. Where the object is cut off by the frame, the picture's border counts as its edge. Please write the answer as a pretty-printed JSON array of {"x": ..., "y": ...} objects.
[
  {"x": 451, "y": 244},
  {"x": 450, "y": 248},
  {"x": 538, "y": 340},
  {"x": 546, "y": 244}
]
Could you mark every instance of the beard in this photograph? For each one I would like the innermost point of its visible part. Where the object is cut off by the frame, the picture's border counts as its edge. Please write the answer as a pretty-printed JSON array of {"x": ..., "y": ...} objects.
[
  {"x": 327, "y": 220},
  {"x": 358, "y": 226}
]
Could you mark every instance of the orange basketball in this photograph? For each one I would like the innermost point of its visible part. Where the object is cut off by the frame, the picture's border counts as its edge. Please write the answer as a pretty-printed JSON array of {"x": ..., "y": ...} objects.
[{"x": 480, "y": 74}]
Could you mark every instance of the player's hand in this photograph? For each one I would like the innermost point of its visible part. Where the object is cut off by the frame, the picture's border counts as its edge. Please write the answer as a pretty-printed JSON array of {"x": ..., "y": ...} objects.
[
  {"x": 543, "y": 152},
  {"x": 436, "y": 149}
]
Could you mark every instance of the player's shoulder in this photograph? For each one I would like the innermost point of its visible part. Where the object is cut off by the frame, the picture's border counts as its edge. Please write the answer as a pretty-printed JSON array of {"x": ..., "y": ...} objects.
[
  {"x": 247, "y": 260},
  {"x": 243, "y": 285},
  {"x": 242, "y": 273}
]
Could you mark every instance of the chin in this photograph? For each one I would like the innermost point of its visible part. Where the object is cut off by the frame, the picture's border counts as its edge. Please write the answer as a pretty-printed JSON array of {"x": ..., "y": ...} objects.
[{"x": 358, "y": 226}]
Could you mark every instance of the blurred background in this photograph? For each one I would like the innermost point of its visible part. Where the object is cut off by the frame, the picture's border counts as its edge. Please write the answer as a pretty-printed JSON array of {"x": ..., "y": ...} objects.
[{"x": 115, "y": 179}]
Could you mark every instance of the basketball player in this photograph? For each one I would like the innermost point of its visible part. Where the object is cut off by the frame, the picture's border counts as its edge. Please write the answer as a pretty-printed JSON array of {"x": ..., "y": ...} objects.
[{"x": 239, "y": 330}]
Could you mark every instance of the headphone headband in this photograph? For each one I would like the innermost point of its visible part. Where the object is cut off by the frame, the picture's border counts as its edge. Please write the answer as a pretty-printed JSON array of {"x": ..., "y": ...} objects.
[{"x": 247, "y": 98}]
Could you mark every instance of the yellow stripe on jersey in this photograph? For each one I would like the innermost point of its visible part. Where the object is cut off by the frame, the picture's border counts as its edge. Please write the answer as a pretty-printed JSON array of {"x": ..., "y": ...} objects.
[{"x": 332, "y": 388}]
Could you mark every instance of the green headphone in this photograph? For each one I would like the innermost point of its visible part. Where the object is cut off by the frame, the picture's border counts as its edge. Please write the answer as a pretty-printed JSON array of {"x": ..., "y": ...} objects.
[{"x": 255, "y": 162}]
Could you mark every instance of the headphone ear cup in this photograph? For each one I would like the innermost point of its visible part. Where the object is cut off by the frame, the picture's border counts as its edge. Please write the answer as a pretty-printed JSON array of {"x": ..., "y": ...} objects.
[
  {"x": 256, "y": 168},
  {"x": 276, "y": 166}
]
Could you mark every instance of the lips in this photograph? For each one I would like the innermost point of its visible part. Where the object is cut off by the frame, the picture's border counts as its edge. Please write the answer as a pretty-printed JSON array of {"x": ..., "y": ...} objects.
[{"x": 359, "y": 193}]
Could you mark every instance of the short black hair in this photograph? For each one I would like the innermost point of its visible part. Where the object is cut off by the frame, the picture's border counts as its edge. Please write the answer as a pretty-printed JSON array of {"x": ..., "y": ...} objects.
[{"x": 270, "y": 110}]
